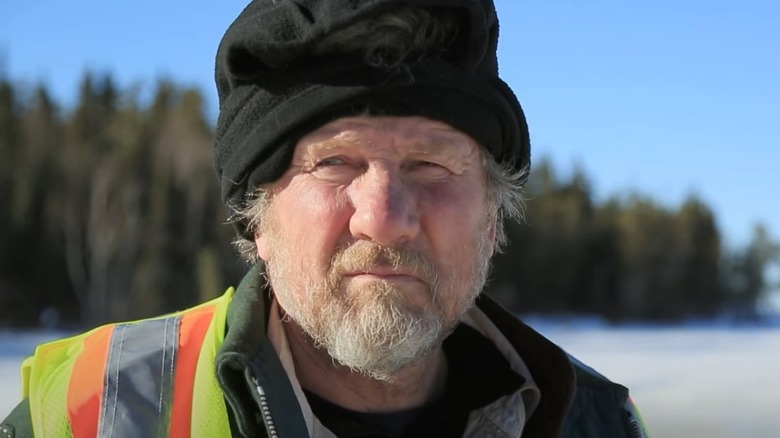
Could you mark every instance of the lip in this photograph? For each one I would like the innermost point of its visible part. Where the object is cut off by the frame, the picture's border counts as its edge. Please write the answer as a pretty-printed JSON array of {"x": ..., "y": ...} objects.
[{"x": 385, "y": 273}]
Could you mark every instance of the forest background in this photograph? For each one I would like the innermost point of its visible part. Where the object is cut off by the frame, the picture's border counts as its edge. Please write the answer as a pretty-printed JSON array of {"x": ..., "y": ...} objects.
[{"x": 111, "y": 211}]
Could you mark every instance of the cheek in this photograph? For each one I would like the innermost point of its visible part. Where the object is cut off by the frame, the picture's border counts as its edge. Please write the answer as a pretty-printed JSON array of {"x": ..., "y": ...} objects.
[
  {"x": 455, "y": 222},
  {"x": 321, "y": 210},
  {"x": 305, "y": 221},
  {"x": 457, "y": 207}
]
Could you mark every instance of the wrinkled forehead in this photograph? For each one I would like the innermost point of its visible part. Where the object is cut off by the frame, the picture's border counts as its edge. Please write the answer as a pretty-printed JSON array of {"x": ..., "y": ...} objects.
[{"x": 412, "y": 134}]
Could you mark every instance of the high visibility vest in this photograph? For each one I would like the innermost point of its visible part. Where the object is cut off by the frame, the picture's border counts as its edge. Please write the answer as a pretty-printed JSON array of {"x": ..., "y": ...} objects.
[{"x": 148, "y": 378}]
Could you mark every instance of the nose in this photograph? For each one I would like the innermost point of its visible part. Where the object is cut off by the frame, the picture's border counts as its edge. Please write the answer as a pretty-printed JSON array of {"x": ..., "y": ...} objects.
[{"x": 385, "y": 208}]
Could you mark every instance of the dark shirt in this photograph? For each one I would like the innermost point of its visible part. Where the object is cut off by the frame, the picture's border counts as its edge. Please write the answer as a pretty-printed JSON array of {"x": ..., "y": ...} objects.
[{"x": 477, "y": 375}]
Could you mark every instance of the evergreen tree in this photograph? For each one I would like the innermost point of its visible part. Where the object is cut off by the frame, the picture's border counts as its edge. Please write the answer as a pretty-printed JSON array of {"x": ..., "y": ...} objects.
[{"x": 112, "y": 212}]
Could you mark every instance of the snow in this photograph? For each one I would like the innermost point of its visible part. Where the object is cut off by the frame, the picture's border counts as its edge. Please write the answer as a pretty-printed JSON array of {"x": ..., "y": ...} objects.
[
  {"x": 688, "y": 382},
  {"x": 705, "y": 380}
]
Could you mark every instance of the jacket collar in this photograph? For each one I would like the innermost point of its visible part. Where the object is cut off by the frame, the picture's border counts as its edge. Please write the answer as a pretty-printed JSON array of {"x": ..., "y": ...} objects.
[
  {"x": 249, "y": 371},
  {"x": 247, "y": 359},
  {"x": 548, "y": 364}
]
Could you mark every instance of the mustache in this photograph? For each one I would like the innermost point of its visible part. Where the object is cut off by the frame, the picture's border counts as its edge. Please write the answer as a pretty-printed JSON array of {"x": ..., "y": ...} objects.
[{"x": 363, "y": 255}]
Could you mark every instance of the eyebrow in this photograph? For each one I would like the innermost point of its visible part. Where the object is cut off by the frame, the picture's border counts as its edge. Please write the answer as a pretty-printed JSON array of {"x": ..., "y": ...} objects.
[
  {"x": 433, "y": 147},
  {"x": 333, "y": 143}
]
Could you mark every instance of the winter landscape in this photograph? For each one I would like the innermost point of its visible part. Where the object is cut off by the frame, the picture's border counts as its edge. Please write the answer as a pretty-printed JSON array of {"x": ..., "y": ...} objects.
[{"x": 697, "y": 380}]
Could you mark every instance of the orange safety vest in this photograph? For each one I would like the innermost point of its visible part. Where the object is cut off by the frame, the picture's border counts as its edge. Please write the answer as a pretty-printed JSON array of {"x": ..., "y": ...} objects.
[{"x": 153, "y": 377}]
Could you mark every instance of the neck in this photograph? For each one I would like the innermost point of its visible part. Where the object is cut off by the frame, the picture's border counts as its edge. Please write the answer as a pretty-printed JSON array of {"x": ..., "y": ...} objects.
[{"x": 317, "y": 372}]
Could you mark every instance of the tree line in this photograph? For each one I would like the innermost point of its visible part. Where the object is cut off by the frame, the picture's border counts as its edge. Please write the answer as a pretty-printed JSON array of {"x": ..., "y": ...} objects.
[{"x": 111, "y": 211}]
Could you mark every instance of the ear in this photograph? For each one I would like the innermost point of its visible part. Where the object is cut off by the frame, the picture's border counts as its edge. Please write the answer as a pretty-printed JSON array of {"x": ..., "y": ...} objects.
[
  {"x": 262, "y": 246},
  {"x": 492, "y": 235}
]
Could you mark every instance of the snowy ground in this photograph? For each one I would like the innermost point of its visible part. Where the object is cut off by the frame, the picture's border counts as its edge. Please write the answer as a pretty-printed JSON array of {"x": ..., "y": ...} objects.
[
  {"x": 705, "y": 381},
  {"x": 689, "y": 382}
]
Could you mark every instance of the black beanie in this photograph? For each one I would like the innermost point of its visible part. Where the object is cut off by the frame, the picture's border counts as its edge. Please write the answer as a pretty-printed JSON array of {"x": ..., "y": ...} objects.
[{"x": 273, "y": 90}]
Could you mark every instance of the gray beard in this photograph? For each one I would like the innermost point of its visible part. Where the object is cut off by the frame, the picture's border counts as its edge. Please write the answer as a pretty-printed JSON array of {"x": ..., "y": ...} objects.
[
  {"x": 379, "y": 338},
  {"x": 373, "y": 330}
]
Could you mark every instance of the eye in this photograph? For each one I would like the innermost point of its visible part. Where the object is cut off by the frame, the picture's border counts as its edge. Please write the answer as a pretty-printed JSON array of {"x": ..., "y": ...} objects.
[
  {"x": 426, "y": 164},
  {"x": 336, "y": 168},
  {"x": 430, "y": 169},
  {"x": 330, "y": 162}
]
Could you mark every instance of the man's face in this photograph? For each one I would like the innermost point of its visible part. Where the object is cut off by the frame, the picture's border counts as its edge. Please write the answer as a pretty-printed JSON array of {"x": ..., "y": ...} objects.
[{"x": 377, "y": 238}]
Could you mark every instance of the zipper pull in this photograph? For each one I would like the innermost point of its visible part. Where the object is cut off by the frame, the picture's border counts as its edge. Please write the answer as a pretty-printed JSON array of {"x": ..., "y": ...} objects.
[{"x": 265, "y": 410}]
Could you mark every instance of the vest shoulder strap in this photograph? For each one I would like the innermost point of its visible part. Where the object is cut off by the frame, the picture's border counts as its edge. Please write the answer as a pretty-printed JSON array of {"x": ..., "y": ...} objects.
[{"x": 141, "y": 378}]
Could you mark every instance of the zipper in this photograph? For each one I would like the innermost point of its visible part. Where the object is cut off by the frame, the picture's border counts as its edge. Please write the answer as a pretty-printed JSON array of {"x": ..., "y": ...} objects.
[
  {"x": 636, "y": 426},
  {"x": 268, "y": 419}
]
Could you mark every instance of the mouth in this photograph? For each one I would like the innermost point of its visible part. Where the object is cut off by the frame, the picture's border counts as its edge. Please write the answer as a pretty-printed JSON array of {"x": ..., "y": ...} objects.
[{"x": 385, "y": 273}]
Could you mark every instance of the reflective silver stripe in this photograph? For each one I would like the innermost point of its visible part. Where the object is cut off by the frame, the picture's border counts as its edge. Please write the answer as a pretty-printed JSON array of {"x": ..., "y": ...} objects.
[{"x": 138, "y": 384}]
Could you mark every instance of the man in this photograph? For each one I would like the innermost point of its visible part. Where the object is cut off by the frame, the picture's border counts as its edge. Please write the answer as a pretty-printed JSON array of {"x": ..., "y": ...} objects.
[{"x": 370, "y": 152}]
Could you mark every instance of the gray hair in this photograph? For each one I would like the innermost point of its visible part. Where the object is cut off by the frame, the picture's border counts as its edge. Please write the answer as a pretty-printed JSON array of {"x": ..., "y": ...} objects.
[{"x": 387, "y": 40}]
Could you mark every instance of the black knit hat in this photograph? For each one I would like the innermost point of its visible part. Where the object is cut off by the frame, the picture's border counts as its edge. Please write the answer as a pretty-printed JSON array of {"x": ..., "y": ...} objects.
[{"x": 273, "y": 90}]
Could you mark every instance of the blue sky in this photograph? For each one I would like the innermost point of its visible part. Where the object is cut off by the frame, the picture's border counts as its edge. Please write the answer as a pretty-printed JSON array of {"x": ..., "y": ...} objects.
[{"x": 666, "y": 98}]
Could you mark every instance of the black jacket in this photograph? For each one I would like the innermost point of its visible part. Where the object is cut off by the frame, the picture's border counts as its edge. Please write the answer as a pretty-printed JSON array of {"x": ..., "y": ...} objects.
[{"x": 575, "y": 400}]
